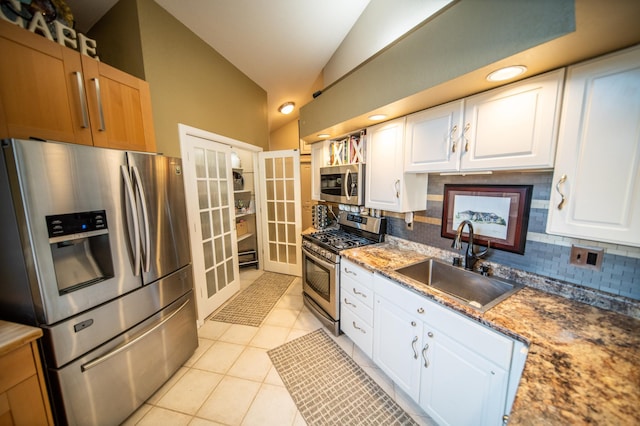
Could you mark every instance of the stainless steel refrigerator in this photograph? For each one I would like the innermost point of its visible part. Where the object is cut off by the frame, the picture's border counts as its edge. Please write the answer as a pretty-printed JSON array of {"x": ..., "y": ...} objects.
[{"x": 95, "y": 251}]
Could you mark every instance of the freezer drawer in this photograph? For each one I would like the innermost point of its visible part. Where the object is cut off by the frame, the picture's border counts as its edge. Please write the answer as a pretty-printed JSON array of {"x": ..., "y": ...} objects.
[{"x": 108, "y": 384}]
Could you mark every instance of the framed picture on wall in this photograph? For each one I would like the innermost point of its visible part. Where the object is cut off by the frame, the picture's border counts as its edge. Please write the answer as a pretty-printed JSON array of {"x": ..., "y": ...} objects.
[{"x": 498, "y": 213}]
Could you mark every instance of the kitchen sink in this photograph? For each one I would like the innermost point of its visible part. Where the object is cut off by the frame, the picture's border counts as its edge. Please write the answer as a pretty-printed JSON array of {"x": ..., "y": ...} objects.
[{"x": 471, "y": 288}]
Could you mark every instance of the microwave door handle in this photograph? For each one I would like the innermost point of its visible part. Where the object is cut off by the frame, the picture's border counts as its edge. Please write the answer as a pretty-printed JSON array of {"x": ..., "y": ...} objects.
[
  {"x": 134, "y": 213},
  {"x": 347, "y": 179},
  {"x": 145, "y": 216}
]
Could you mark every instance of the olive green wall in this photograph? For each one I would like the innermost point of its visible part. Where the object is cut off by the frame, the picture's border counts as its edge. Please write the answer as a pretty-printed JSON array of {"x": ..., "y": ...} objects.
[
  {"x": 286, "y": 137},
  {"x": 190, "y": 82}
]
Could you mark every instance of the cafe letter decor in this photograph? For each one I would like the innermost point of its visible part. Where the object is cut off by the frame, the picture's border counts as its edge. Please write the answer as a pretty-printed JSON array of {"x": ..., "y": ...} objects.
[{"x": 14, "y": 11}]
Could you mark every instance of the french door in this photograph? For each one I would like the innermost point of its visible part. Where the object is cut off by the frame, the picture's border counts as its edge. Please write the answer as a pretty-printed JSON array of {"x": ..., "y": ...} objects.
[
  {"x": 209, "y": 193},
  {"x": 281, "y": 217}
]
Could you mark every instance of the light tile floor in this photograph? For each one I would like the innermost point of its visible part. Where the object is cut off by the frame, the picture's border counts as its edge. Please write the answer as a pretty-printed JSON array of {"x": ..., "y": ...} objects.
[{"x": 230, "y": 380}]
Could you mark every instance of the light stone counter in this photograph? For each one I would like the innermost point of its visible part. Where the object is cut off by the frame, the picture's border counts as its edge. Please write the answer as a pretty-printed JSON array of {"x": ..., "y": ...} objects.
[{"x": 583, "y": 364}]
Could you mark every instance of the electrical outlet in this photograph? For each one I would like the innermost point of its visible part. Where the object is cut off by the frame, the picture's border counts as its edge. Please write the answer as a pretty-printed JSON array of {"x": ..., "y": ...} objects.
[
  {"x": 586, "y": 257},
  {"x": 409, "y": 226}
]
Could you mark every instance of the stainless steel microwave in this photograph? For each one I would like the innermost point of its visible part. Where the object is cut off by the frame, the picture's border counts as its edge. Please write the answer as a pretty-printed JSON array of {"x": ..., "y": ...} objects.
[{"x": 343, "y": 184}]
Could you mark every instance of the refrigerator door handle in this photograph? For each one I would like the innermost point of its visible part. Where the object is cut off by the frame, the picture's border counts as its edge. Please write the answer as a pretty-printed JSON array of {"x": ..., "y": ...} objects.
[
  {"x": 145, "y": 215},
  {"x": 134, "y": 213}
]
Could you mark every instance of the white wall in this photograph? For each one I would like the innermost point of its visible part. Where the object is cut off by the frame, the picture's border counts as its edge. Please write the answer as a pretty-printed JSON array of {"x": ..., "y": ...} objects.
[{"x": 381, "y": 23}]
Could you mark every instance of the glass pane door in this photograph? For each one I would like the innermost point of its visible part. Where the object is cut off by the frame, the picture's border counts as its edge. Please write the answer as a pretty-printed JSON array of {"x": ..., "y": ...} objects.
[
  {"x": 210, "y": 201},
  {"x": 281, "y": 218}
]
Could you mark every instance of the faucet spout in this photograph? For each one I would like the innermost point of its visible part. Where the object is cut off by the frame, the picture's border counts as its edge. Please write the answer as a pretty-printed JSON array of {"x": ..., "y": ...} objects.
[{"x": 470, "y": 257}]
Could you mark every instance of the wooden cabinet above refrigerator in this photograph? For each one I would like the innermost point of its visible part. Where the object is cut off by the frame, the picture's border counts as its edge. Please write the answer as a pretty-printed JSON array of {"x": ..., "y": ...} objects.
[{"x": 48, "y": 91}]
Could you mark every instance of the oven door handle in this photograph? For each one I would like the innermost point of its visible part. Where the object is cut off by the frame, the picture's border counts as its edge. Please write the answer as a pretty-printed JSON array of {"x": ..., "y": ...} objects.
[
  {"x": 347, "y": 180},
  {"x": 318, "y": 259}
]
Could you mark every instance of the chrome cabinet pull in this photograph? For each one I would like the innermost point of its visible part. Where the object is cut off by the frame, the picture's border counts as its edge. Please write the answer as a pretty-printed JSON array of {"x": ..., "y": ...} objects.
[
  {"x": 413, "y": 323},
  {"x": 96, "y": 82},
  {"x": 349, "y": 303},
  {"x": 464, "y": 136},
  {"x": 358, "y": 328},
  {"x": 560, "y": 182},
  {"x": 430, "y": 334},
  {"x": 452, "y": 138},
  {"x": 413, "y": 346},
  {"x": 397, "y": 187},
  {"x": 83, "y": 99},
  {"x": 424, "y": 355},
  {"x": 359, "y": 293},
  {"x": 346, "y": 270},
  {"x": 421, "y": 310}
]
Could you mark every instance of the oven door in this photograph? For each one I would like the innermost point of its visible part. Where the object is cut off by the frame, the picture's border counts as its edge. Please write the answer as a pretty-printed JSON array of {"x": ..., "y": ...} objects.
[{"x": 320, "y": 282}]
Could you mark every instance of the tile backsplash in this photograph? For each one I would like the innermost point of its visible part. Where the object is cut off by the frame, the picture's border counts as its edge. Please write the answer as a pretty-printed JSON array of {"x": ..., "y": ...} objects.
[{"x": 545, "y": 254}]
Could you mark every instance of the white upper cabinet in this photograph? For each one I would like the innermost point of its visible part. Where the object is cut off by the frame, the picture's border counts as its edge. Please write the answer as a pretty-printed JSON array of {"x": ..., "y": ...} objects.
[
  {"x": 388, "y": 187},
  {"x": 510, "y": 128},
  {"x": 597, "y": 171},
  {"x": 432, "y": 139},
  {"x": 318, "y": 159}
]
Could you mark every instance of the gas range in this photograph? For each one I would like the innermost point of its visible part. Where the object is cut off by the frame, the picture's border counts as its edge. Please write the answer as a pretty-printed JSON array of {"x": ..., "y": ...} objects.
[{"x": 355, "y": 231}]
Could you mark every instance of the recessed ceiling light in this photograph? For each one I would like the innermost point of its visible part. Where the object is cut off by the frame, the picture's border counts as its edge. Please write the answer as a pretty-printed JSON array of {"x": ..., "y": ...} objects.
[
  {"x": 286, "y": 107},
  {"x": 324, "y": 135},
  {"x": 506, "y": 73},
  {"x": 377, "y": 117}
]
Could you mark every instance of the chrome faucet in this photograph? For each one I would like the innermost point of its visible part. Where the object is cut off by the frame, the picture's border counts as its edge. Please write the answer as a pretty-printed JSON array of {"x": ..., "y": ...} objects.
[{"x": 470, "y": 256}]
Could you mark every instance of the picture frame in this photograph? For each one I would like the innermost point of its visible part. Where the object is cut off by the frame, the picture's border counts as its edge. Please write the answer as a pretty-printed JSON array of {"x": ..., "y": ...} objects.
[{"x": 499, "y": 214}]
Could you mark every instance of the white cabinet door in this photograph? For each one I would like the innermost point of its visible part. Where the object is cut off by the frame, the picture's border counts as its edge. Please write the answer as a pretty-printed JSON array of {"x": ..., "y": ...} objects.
[
  {"x": 432, "y": 139},
  {"x": 598, "y": 164},
  {"x": 513, "y": 127},
  {"x": 318, "y": 159},
  {"x": 388, "y": 187},
  {"x": 396, "y": 345},
  {"x": 459, "y": 387}
]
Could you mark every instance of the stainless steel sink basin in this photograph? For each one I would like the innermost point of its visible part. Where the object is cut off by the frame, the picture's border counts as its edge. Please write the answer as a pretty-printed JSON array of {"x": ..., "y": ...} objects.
[{"x": 471, "y": 288}]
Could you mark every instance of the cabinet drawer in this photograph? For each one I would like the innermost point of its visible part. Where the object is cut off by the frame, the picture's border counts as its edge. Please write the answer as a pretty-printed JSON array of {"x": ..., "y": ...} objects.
[
  {"x": 356, "y": 273},
  {"x": 357, "y": 304},
  {"x": 15, "y": 367},
  {"x": 358, "y": 292},
  {"x": 358, "y": 330}
]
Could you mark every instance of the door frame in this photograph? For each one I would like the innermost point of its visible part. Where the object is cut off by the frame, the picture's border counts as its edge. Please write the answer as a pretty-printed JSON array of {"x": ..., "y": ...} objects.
[{"x": 185, "y": 132}]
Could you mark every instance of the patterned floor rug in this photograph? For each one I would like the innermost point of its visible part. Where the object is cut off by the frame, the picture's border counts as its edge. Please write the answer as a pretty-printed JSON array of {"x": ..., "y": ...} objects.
[
  {"x": 252, "y": 305},
  {"x": 329, "y": 388}
]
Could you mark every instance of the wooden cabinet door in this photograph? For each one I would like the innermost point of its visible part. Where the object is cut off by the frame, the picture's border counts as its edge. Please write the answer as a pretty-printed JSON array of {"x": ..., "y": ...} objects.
[
  {"x": 397, "y": 340},
  {"x": 119, "y": 106},
  {"x": 41, "y": 88},
  {"x": 459, "y": 387},
  {"x": 597, "y": 171},
  {"x": 432, "y": 139},
  {"x": 513, "y": 127}
]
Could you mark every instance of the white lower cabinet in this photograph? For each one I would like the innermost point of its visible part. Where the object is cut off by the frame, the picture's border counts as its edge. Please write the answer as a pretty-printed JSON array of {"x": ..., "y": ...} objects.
[{"x": 455, "y": 368}]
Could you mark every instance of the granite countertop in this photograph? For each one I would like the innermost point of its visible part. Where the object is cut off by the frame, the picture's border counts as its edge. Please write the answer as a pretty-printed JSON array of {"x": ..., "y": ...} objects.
[
  {"x": 13, "y": 336},
  {"x": 583, "y": 364}
]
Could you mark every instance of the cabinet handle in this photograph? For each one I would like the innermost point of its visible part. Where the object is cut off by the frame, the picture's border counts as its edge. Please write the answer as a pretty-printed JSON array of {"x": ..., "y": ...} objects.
[
  {"x": 430, "y": 334},
  {"x": 452, "y": 138},
  {"x": 349, "y": 303},
  {"x": 413, "y": 346},
  {"x": 424, "y": 355},
  {"x": 397, "y": 186},
  {"x": 96, "y": 82},
  {"x": 464, "y": 136},
  {"x": 560, "y": 182},
  {"x": 413, "y": 323},
  {"x": 358, "y": 328},
  {"x": 359, "y": 293},
  {"x": 83, "y": 99},
  {"x": 346, "y": 270},
  {"x": 421, "y": 310}
]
